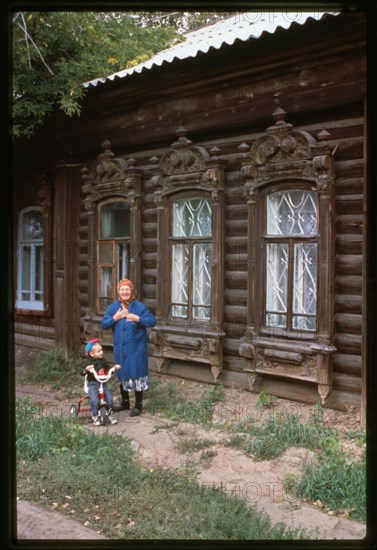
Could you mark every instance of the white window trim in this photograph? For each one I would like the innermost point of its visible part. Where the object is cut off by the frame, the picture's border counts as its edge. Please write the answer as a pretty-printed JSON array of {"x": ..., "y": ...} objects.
[{"x": 33, "y": 305}]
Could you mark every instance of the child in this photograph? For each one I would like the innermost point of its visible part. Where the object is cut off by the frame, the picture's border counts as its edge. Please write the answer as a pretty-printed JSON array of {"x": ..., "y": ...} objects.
[{"x": 95, "y": 362}]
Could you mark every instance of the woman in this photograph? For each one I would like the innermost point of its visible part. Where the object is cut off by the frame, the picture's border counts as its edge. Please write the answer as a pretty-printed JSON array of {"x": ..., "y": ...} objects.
[{"x": 128, "y": 319}]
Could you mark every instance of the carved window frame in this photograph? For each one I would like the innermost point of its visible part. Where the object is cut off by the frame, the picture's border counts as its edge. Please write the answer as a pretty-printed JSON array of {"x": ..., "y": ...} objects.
[
  {"x": 44, "y": 207},
  {"x": 189, "y": 171},
  {"x": 286, "y": 158},
  {"x": 264, "y": 239},
  {"x": 110, "y": 179},
  {"x": 191, "y": 241},
  {"x": 101, "y": 241}
]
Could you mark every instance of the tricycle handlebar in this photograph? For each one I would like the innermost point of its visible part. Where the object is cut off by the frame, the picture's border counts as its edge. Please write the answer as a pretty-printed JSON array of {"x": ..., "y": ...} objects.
[{"x": 105, "y": 377}]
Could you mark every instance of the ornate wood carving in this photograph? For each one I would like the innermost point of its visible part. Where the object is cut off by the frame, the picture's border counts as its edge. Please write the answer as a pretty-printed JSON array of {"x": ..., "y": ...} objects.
[
  {"x": 284, "y": 155},
  {"x": 183, "y": 168},
  {"x": 106, "y": 178}
]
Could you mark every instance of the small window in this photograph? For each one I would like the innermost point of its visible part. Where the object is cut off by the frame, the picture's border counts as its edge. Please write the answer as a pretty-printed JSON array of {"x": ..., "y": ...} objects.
[
  {"x": 113, "y": 250},
  {"x": 291, "y": 260},
  {"x": 191, "y": 252},
  {"x": 30, "y": 266}
]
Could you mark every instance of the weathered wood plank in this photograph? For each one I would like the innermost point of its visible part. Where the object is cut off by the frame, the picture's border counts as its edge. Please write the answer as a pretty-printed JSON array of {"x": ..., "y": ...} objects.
[
  {"x": 348, "y": 303},
  {"x": 348, "y": 323},
  {"x": 349, "y": 244},
  {"x": 348, "y": 343},
  {"x": 349, "y": 204},
  {"x": 351, "y": 264},
  {"x": 349, "y": 223},
  {"x": 235, "y": 314},
  {"x": 347, "y": 364},
  {"x": 346, "y": 383},
  {"x": 236, "y": 279},
  {"x": 348, "y": 284}
]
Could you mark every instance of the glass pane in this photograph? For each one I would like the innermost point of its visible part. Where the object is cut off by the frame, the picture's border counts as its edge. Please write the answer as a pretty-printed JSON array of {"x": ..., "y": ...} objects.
[
  {"x": 305, "y": 278},
  {"x": 202, "y": 281},
  {"x": 38, "y": 284},
  {"x": 276, "y": 320},
  {"x": 192, "y": 218},
  {"x": 179, "y": 295},
  {"x": 277, "y": 280},
  {"x": 115, "y": 220},
  {"x": 304, "y": 323},
  {"x": 32, "y": 229},
  {"x": 292, "y": 213},
  {"x": 106, "y": 283},
  {"x": 105, "y": 253},
  {"x": 123, "y": 260},
  {"x": 26, "y": 268},
  {"x": 179, "y": 311}
]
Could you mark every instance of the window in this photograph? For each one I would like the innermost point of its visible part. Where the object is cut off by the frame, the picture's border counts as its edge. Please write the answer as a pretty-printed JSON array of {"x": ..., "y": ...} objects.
[
  {"x": 113, "y": 250},
  {"x": 290, "y": 247},
  {"x": 30, "y": 267},
  {"x": 191, "y": 251}
]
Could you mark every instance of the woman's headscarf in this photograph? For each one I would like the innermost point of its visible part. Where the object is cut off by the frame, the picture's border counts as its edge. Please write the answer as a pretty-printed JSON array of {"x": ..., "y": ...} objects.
[{"x": 127, "y": 282}]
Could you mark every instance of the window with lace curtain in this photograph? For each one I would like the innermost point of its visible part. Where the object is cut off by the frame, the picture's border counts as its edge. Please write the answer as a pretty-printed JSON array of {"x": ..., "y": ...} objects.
[
  {"x": 113, "y": 250},
  {"x": 290, "y": 245},
  {"x": 30, "y": 260},
  {"x": 191, "y": 251}
]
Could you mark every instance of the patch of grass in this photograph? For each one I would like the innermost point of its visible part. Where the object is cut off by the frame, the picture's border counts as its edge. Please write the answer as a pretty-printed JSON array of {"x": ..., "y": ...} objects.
[
  {"x": 265, "y": 400},
  {"x": 52, "y": 368},
  {"x": 358, "y": 436},
  {"x": 94, "y": 479},
  {"x": 337, "y": 483},
  {"x": 179, "y": 409},
  {"x": 281, "y": 431}
]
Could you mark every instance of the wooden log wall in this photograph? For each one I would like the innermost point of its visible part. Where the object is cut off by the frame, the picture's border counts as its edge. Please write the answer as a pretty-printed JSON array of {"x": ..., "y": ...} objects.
[{"x": 347, "y": 134}]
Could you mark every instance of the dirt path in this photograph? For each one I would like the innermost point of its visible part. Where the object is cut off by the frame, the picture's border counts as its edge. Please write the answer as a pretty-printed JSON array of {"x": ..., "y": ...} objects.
[{"x": 159, "y": 442}]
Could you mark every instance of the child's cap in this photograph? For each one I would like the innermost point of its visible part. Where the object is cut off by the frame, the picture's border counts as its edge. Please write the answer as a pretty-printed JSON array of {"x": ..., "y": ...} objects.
[{"x": 90, "y": 344}]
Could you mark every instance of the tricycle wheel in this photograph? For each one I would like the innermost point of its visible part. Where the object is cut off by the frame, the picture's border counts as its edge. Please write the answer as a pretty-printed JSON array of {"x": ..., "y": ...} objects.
[
  {"x": 103, "y": 416},
  {"x": 74, "y": 411}
]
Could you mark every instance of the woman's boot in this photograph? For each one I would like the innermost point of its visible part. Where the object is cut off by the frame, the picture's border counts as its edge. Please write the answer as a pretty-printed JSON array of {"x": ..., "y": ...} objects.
[
  {"x": 136, "y": 411},
  {"x": 125, "y": 402}
]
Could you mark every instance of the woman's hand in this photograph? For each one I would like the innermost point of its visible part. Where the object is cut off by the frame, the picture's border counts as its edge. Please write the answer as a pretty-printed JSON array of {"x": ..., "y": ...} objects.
[
  {"x": 132, "y": 317},
  {"x": 120, "y": 314}
]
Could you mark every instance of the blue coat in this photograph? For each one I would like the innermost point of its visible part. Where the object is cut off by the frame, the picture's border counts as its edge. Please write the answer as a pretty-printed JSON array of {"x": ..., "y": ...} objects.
[{"x": 130, "y": 339}]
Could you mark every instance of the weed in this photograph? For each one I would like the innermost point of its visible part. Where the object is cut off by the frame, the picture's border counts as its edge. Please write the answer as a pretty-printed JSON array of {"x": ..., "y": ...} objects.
[
  {"x": 337, "y": 483},
  {"x": 95, "y": 479},
  {"x": 51, "y": 367},
  {"x": 265, "y": 400}
]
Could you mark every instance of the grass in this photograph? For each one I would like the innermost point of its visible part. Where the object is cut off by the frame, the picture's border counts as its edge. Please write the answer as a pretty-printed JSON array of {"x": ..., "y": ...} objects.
[
  {"x": 176, "y": 408},
  {"x": 94, "y": 479},
  {"x": 52, "y": 368},
  {"x": 332, "y": 479}
]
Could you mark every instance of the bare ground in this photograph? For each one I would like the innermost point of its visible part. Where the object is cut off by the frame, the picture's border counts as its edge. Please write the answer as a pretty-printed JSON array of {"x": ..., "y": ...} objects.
[{"x": 160, "y": 442}]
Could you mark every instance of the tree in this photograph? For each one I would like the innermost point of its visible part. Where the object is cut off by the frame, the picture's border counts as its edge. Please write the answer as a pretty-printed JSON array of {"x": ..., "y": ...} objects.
[{"x": 54, "y": 53}]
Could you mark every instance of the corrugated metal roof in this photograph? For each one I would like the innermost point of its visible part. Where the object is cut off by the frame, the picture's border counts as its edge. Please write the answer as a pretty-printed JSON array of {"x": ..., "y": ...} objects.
[{"x": 241, "y": 26}]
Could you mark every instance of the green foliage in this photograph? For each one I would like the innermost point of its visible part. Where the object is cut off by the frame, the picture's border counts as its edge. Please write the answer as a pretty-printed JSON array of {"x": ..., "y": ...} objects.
[
  {"x": 336, "y": 482},
  {"x": 179, "y": 409},
  {"x": 54, "y": 53},
  {"x": 51, "y": 367},
  {"x": 95, "y": 479},
  {"x": 265, "y": 400}
]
